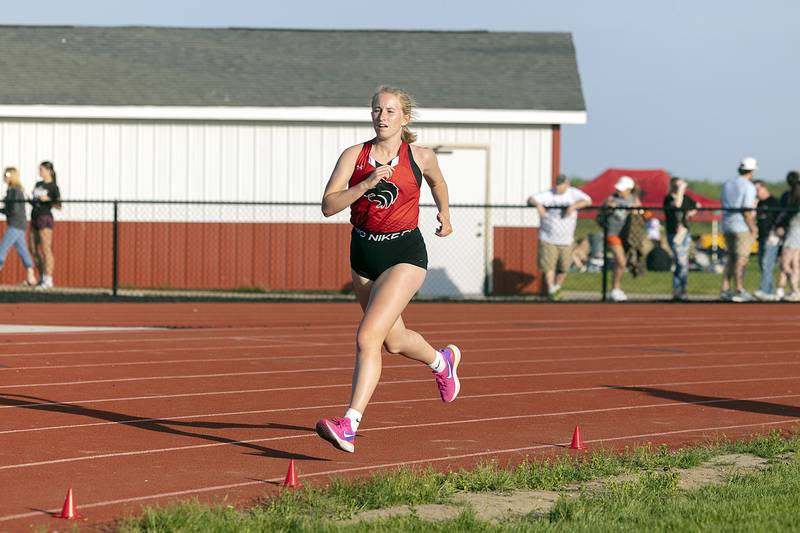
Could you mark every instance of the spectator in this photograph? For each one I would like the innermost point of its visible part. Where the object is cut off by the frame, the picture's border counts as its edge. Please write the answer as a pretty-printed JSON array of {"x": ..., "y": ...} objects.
[
  {"x": 768, "y": 240},
  {"x": 45, "y": 196},
  {"x": 635, "y": 239},
  {"x": 597, "y": 251},
  {"x": 580, "y": 255},
  {"x": 788, "y": 226},
  {"x": 738, "y": 198},
  {"x": 14, "y": 210},
  {"x": 654, "y": 231},
  {"x": 558, "y": 210},
  {"x": 615, "y": 223},
  {"x": 678, "y": 208}
]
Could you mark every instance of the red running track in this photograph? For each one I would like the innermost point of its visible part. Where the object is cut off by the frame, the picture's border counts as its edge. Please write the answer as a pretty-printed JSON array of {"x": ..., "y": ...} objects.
[{"x": 214, "y": 406}]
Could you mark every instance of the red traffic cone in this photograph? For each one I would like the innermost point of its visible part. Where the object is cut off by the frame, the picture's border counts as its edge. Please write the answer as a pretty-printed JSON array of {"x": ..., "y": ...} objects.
[
  {"x": 68, "y": 511},
  {"x": 577, "y": 442},
  {"x": 291, "y": 480}
]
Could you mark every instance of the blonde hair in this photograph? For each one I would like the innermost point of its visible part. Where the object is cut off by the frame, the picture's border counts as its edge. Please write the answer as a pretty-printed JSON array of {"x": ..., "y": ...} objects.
[
  {"x": 13, "y": 178},
  {"x": 406, "y": 101}
]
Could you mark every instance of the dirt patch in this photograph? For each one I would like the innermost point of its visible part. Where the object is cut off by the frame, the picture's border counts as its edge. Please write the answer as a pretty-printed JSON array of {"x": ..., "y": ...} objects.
[
  {"x": 430, "y": 512},
  {"x": 719, "y": 469},
  {"x": 494, "y": 507}
]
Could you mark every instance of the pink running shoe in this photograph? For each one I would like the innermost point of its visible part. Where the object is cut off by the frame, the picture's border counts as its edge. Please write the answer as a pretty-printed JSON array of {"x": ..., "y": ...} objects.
[
  {"x": 338, "y": 432},
  {"x": 447, "y": 379}
]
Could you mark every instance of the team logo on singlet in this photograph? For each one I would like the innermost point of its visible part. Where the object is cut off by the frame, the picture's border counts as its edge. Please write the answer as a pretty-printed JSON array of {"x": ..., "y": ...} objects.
[{"x": 384, "y": 194}]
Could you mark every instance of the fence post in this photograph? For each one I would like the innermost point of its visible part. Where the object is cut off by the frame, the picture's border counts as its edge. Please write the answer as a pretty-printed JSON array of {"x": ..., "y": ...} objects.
[
  {"x": 115, "y": 251},
  {"x": 604, "y": 287}
]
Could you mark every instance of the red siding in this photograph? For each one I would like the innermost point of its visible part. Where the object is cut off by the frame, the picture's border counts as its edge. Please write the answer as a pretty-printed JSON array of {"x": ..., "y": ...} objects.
[
  {"x": 82, "y": 251},
  {"x": 514, "y": 267},
  {"x": 181, "y": 255},
  {"x": 273, "y": 256}
]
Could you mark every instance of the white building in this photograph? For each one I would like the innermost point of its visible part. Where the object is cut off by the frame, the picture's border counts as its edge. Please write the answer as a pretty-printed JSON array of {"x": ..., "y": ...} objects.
[{"x": 262, "y": 115}]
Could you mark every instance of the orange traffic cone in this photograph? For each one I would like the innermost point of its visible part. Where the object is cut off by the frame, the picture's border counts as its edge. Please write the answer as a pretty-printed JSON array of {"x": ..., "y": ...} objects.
[
  {"x": 68, "y": 511},
  {"x": 577, "y": 442},
  {"x": 291, "y": 480}
]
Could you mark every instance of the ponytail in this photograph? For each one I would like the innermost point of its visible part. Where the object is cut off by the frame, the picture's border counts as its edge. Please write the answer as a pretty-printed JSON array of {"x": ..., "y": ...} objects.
[
  {"x": 408, "y": 136},
  {"x": 47, "y": 165},
  {"x": 50, "y": 168}
]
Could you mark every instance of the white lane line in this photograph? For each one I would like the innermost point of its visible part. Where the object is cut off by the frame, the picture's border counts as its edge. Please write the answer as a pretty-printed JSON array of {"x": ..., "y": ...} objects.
[
  {"x": 569, "y": 325},
  {"x": 416, "y": 365},
  {"x": 11, "y": 329},
  {"x": 291, "y": 339},
  {"x": 135, "y": 421},
  {"x": 134, "y": 340},
  {"x": 467, "y": 344},
  {"x": 343, "y": 385},
  {"x": 156, "y": 350},
  {"x": 658, "y": 355},
  {"x": 256, "y": 330},
  {"x": 629, "y": 332},
  {"x": 703, "y": 326},
  {"x": 395, "y": 427},
  {"x": 383, "y": 466}
]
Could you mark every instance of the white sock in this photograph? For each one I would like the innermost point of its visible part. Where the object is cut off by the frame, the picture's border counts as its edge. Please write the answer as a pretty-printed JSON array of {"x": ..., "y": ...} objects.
[
  {"x": 47, "y": 279},
  {"x": 355, "y": 418},
  {"x": 438, "y": 364}
]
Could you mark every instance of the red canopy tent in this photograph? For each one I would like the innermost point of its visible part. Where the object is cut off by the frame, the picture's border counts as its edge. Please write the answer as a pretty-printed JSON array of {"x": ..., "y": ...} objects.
[{"x": 654, "y": 185}]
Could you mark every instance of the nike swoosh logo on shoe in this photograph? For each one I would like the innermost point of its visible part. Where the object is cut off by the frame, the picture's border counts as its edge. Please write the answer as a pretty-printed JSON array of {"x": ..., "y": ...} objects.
[{"x": 348, "y": 435}]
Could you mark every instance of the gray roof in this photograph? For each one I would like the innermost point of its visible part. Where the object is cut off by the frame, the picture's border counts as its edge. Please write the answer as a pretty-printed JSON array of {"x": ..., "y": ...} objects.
[{"x": 269, "y": 68}]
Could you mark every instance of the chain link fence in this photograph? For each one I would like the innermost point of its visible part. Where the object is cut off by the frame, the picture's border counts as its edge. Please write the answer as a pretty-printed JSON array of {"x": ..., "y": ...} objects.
[{"x": 289, "y": 250}]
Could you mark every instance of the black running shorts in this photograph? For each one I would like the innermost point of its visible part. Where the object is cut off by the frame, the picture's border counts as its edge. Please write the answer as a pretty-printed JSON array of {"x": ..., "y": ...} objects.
[{"x": 371, "y": 254}]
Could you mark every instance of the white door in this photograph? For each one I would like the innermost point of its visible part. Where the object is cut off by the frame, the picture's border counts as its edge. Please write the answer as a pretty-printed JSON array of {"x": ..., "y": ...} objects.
[{"x": 457, "y": 263}]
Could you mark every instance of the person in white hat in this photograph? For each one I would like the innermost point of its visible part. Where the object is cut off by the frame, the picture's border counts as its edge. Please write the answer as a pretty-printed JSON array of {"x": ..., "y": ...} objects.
[
  {"x": 615, "y": 224},
  {"x": 738, "y": 199}
]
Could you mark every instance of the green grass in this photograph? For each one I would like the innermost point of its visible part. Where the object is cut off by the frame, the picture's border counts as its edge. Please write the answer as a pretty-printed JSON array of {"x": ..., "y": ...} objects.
[
  {"x": 586, "y": 226},
  {"x": 648, "y": 502},
  {"x": 759, "y": 502},
  {"x": 700, "y": 283}
]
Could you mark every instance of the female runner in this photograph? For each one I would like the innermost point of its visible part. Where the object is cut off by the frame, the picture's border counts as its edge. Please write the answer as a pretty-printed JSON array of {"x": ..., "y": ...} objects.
[{"x": 380, "y": 181}]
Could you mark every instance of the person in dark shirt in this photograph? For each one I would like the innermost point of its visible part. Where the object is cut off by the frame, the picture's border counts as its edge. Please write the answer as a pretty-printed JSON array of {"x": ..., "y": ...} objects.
[
  {"x": 14, "y": 210},
  {"x": 768, "y": 241},
  {"x": 787, "y": 226},
  {"x": 46, "y": 196},
  {"x": 678, "y": 207}
]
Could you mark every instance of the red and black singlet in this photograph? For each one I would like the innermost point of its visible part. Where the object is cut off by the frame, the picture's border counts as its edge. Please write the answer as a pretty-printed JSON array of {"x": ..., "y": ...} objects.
[{"x": 392, "y": 205}]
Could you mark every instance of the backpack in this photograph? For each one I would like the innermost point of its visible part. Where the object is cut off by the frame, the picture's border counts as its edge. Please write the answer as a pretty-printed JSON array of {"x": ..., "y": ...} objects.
[
  {"x": 602, "y": 216},
  {"x": 658, "y": 260}
]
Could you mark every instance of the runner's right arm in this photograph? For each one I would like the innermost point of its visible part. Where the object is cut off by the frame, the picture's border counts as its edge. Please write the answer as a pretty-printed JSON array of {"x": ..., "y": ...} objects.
[{"x": 338, "y": 196}]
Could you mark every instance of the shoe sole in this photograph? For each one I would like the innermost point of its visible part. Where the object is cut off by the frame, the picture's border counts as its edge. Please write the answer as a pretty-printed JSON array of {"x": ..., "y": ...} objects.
[
  {"x": 327, "y": 433},
  {"x": 456, "y": 361}
]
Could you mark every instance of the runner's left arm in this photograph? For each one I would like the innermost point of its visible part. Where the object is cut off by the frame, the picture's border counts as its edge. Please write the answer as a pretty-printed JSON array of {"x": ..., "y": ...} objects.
[{"x": 433, "y": 175}]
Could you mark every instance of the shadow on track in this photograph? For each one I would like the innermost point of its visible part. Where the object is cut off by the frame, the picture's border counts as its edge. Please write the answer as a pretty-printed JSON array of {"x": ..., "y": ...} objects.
[
  {"x": 173, "y": 427},
  {"x": 733, "y": 404}
]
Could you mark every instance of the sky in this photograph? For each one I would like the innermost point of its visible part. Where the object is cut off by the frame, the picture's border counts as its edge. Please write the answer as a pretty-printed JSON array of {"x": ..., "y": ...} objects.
[{"x": 691, "y": 86}]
